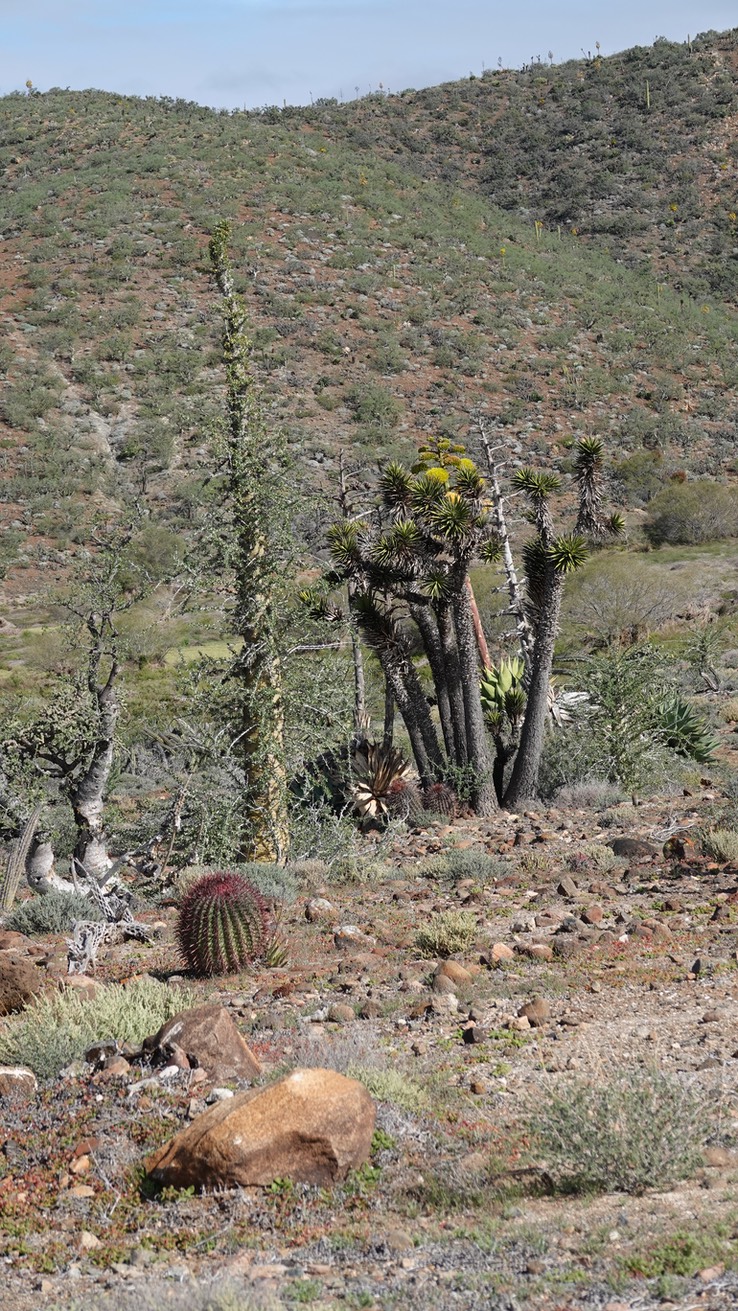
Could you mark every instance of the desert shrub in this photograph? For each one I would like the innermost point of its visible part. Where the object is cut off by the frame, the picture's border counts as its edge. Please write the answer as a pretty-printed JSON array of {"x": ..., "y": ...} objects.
[
  {"x": 618, "y": 596},
  {"x": 638, "y": 477},
  {"x": 465, "y": 864},
  {"x": 58, "y": 1027},
  {"x": 730, "y": 710},
  {"x": 721, "y": 844},
  {"x": 55, "y": 912},
  {"x": 159, "y": 1295},
  {"x": 374, "y": 405},
  {"x": 591, "y": 793},
  {"x": 447, "y": 932},
  {"x": 602, "y": 857},
  {"x": 692, "y": 512},
  {"x": 390, "y": 1086},
  {"x": 633, "y": 1130}
]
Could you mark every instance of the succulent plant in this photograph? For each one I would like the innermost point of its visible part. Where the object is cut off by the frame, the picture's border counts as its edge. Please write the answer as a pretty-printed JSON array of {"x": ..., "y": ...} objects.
[
  {"x": 222, "y": 924},
  {"x": 502, "y": 693},
  {"x": 404, "y": 800},
  {"x": 685, "y": 730},
  {"x": 376, "y": 769},
  {"x": 441, "y": 799}
]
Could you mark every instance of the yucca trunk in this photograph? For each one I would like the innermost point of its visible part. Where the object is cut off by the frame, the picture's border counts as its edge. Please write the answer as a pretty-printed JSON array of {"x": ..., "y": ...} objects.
[
  {"x": 258, "y": 670},
  {"x": 426, "y": 622},
  {"x": 523, "y": 784},
  {"x": 484, "y": 797},
  {"x": 454, "y": 680}
]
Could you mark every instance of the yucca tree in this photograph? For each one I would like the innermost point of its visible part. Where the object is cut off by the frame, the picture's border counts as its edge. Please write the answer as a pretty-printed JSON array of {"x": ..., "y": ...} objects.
[
  {"x": 254, "y": 460},
  {"x": 410, "y": 561},
  {"x": 548, "y": 559}
]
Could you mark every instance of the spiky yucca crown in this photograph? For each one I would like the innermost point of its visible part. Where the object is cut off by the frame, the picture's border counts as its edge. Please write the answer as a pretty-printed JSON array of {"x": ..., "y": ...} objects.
[{"x": 222, "y": 924}]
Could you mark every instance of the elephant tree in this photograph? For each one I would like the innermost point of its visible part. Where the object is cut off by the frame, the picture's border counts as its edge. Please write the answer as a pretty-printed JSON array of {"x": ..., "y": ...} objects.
[{"x": 252, "y": 506}]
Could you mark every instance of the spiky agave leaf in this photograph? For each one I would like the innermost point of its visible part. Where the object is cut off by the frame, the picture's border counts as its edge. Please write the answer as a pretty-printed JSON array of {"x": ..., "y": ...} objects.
[
  {"x": 397, "y": 548},
  {"x": 469, "y": 483},
  {"x": 686, "y": 731},
  {"x": 453, "y": 518},
  {"x": 491, "y": 550},
  {"x": 588, "y": 456},
  {"x": 376, "y": 768},
  {"x": 343, "y": 543},
  {"x": 437, "y": 586},
  {"x": 428, "y": 491},
  {"x": 396, "y": 485},
  {"x": 320, "y": 605},
  {"x": 567, "y": 553},
  {"x": 616, "y": 524},
  {"x": 536, "y": 484}
]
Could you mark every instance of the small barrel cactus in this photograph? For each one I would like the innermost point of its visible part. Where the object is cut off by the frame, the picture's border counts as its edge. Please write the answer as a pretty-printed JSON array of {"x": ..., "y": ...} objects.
[
  {"x": 441, "y": 799},
  {"x": 222, "y": 924},
  {"x": 403, "y": 800}
]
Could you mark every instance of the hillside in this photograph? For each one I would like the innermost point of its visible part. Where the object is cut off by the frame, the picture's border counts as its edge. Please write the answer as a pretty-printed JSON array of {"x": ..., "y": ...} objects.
[{"x": 540, "y": 244}]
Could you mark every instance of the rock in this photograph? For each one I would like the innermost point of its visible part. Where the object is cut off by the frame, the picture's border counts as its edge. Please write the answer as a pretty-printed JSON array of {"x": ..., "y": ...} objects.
[
  {"x": 443, "y": 984},
  {"x": 313, "y": 1127},
  {"x": 451, "y": 969},
  {"x": 349, "y": 936},
  {"x": 592, "y": 915},
  {"x": 87, "y": 988},
  {"x": 340, "y": 1013},
  {"x": 715, "y": 1017},
  {"x": 499, "y": 951},
  {"x": 537, "y": 1012},
  {"x": 633, "y": 848},
  {"x": 535, "y": 950},
  {"x": 17, "y": 1081},
  {"x": 567, "y": 887},
  {"x": 209, "y": 1038},
  {"x": 20, "y": 981},
  {"x": 371, "y": 1010},
  {"x": 81, "y": 1190},
  {"x": 10, "y": 941},
  {"x": 319, "y": 910},
  {"x": 474, "y": 1033},
  {"x": 89, "y": 1242}
]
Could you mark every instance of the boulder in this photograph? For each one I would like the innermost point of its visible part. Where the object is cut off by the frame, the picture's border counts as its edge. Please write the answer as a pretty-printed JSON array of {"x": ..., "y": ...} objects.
[
  {"x": 19, "y": 982},
  {"x": 312, "y": 1127},
  {"x": 16, "y": 1081},
  {"x": 634, "y": 848},
  {"x": 209, "y": 1039}
]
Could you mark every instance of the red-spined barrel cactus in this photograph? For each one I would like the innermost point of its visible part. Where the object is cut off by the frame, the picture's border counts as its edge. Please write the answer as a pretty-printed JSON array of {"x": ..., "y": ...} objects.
[
  {"x": 441, "y": 800},
  {"x": 222, "y": 924}
]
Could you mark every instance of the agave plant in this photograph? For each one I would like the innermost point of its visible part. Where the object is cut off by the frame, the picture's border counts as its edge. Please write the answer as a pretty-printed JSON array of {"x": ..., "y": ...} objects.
[
  {"x": 377, "y": 769},
  {"x": 685, "y": 731},
  {"x": 502, "y": 693}
]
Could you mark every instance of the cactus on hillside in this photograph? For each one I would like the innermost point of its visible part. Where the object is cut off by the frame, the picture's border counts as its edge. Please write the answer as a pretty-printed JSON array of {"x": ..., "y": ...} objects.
[{"x": 222, "y": 924}]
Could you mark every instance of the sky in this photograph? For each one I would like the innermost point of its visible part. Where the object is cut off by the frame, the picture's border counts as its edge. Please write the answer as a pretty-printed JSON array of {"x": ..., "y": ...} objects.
[{"x": 250, "y": 53}]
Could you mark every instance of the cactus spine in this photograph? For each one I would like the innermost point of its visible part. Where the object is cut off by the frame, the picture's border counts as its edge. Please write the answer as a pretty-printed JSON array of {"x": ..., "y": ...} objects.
[{"x": 222, "y": 924}]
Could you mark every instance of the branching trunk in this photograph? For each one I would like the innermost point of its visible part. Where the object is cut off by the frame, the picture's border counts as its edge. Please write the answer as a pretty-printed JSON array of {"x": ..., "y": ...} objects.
[{"x": 517, "y": 604}]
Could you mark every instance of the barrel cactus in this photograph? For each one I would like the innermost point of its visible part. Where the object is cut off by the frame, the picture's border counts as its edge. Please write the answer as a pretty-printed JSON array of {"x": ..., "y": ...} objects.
[
  {"x": 222, "y": 925},
  {"x": 441, "y": 799}
]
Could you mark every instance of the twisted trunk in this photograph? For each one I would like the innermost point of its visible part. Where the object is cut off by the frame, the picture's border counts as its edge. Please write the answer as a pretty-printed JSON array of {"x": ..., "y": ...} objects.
[
  {"x": 454, "y": 680},
  {"x": 426, "y": 622}
]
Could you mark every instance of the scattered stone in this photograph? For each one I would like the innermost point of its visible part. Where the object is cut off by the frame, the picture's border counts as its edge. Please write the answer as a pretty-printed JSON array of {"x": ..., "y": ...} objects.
[
  {"x": 451, "y": 969},
  {"x": 349, "y": 936},
  {"x": 82, "y": 1190},
  {"x": 17, "y": 1081},
  {"x": 537, "y": 1012},
  {"x": 474, "y": 1033},
  {"x": 442, "y": 984},
  {"x": 318, "y": 910},
  {"x": 208, "y": 1037},
  {"x": 20, "y": 982},
  {"x": 633, "y": 848},
  {"x": 339, "y": 1013},
  {"x": 567, "y": 887},
  {"x": 715, "y": 1017},
  {"x": 89, "y": 1242},
  {"x": 592, "y": 915},
  {"x": 499, "y": 951},
  {"x": 313, "y": 1127},
  {"x": 370, "y": 1010}
]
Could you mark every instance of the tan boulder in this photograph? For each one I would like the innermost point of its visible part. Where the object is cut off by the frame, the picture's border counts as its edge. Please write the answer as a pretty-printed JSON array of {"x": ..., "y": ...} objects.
[
  {"x": 19, "y": 982},
  {"x": 17, "y": 1081},
  {"x": 313, "y": 1127},
  {"x": 209, "y": 1039}
]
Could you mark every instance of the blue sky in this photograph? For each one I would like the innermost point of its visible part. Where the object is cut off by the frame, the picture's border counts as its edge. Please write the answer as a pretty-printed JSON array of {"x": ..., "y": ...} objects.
[{"x": 238, "y": 53}]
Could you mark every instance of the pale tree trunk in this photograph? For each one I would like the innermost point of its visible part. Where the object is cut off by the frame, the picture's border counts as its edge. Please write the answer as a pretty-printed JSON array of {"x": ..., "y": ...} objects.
[
  {"x": 517, "y": 605},
  {"x": 87, "y": 796}
]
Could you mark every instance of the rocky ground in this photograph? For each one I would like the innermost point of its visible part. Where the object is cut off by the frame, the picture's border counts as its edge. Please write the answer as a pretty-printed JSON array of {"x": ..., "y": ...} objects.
[{"x": 583, "y": 964}]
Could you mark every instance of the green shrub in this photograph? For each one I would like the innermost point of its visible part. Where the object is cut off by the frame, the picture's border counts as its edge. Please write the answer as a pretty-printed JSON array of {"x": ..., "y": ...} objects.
[
  {"x": 721, "y": 844},
  {"x": 634, "y": 1130},
  {"x": 58, "y": 1027},
  {"x": 691, "y": 513},
  {"x": 374, "y": 405},
  {"x": 447, "y": 932},
  {"x": 55, "y": 912},
  {"x": 390, "y": 1086}
]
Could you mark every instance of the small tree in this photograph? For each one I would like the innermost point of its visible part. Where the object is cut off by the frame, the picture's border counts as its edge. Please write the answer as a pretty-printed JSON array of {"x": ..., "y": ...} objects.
[{"x": 253, "y": 535}]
